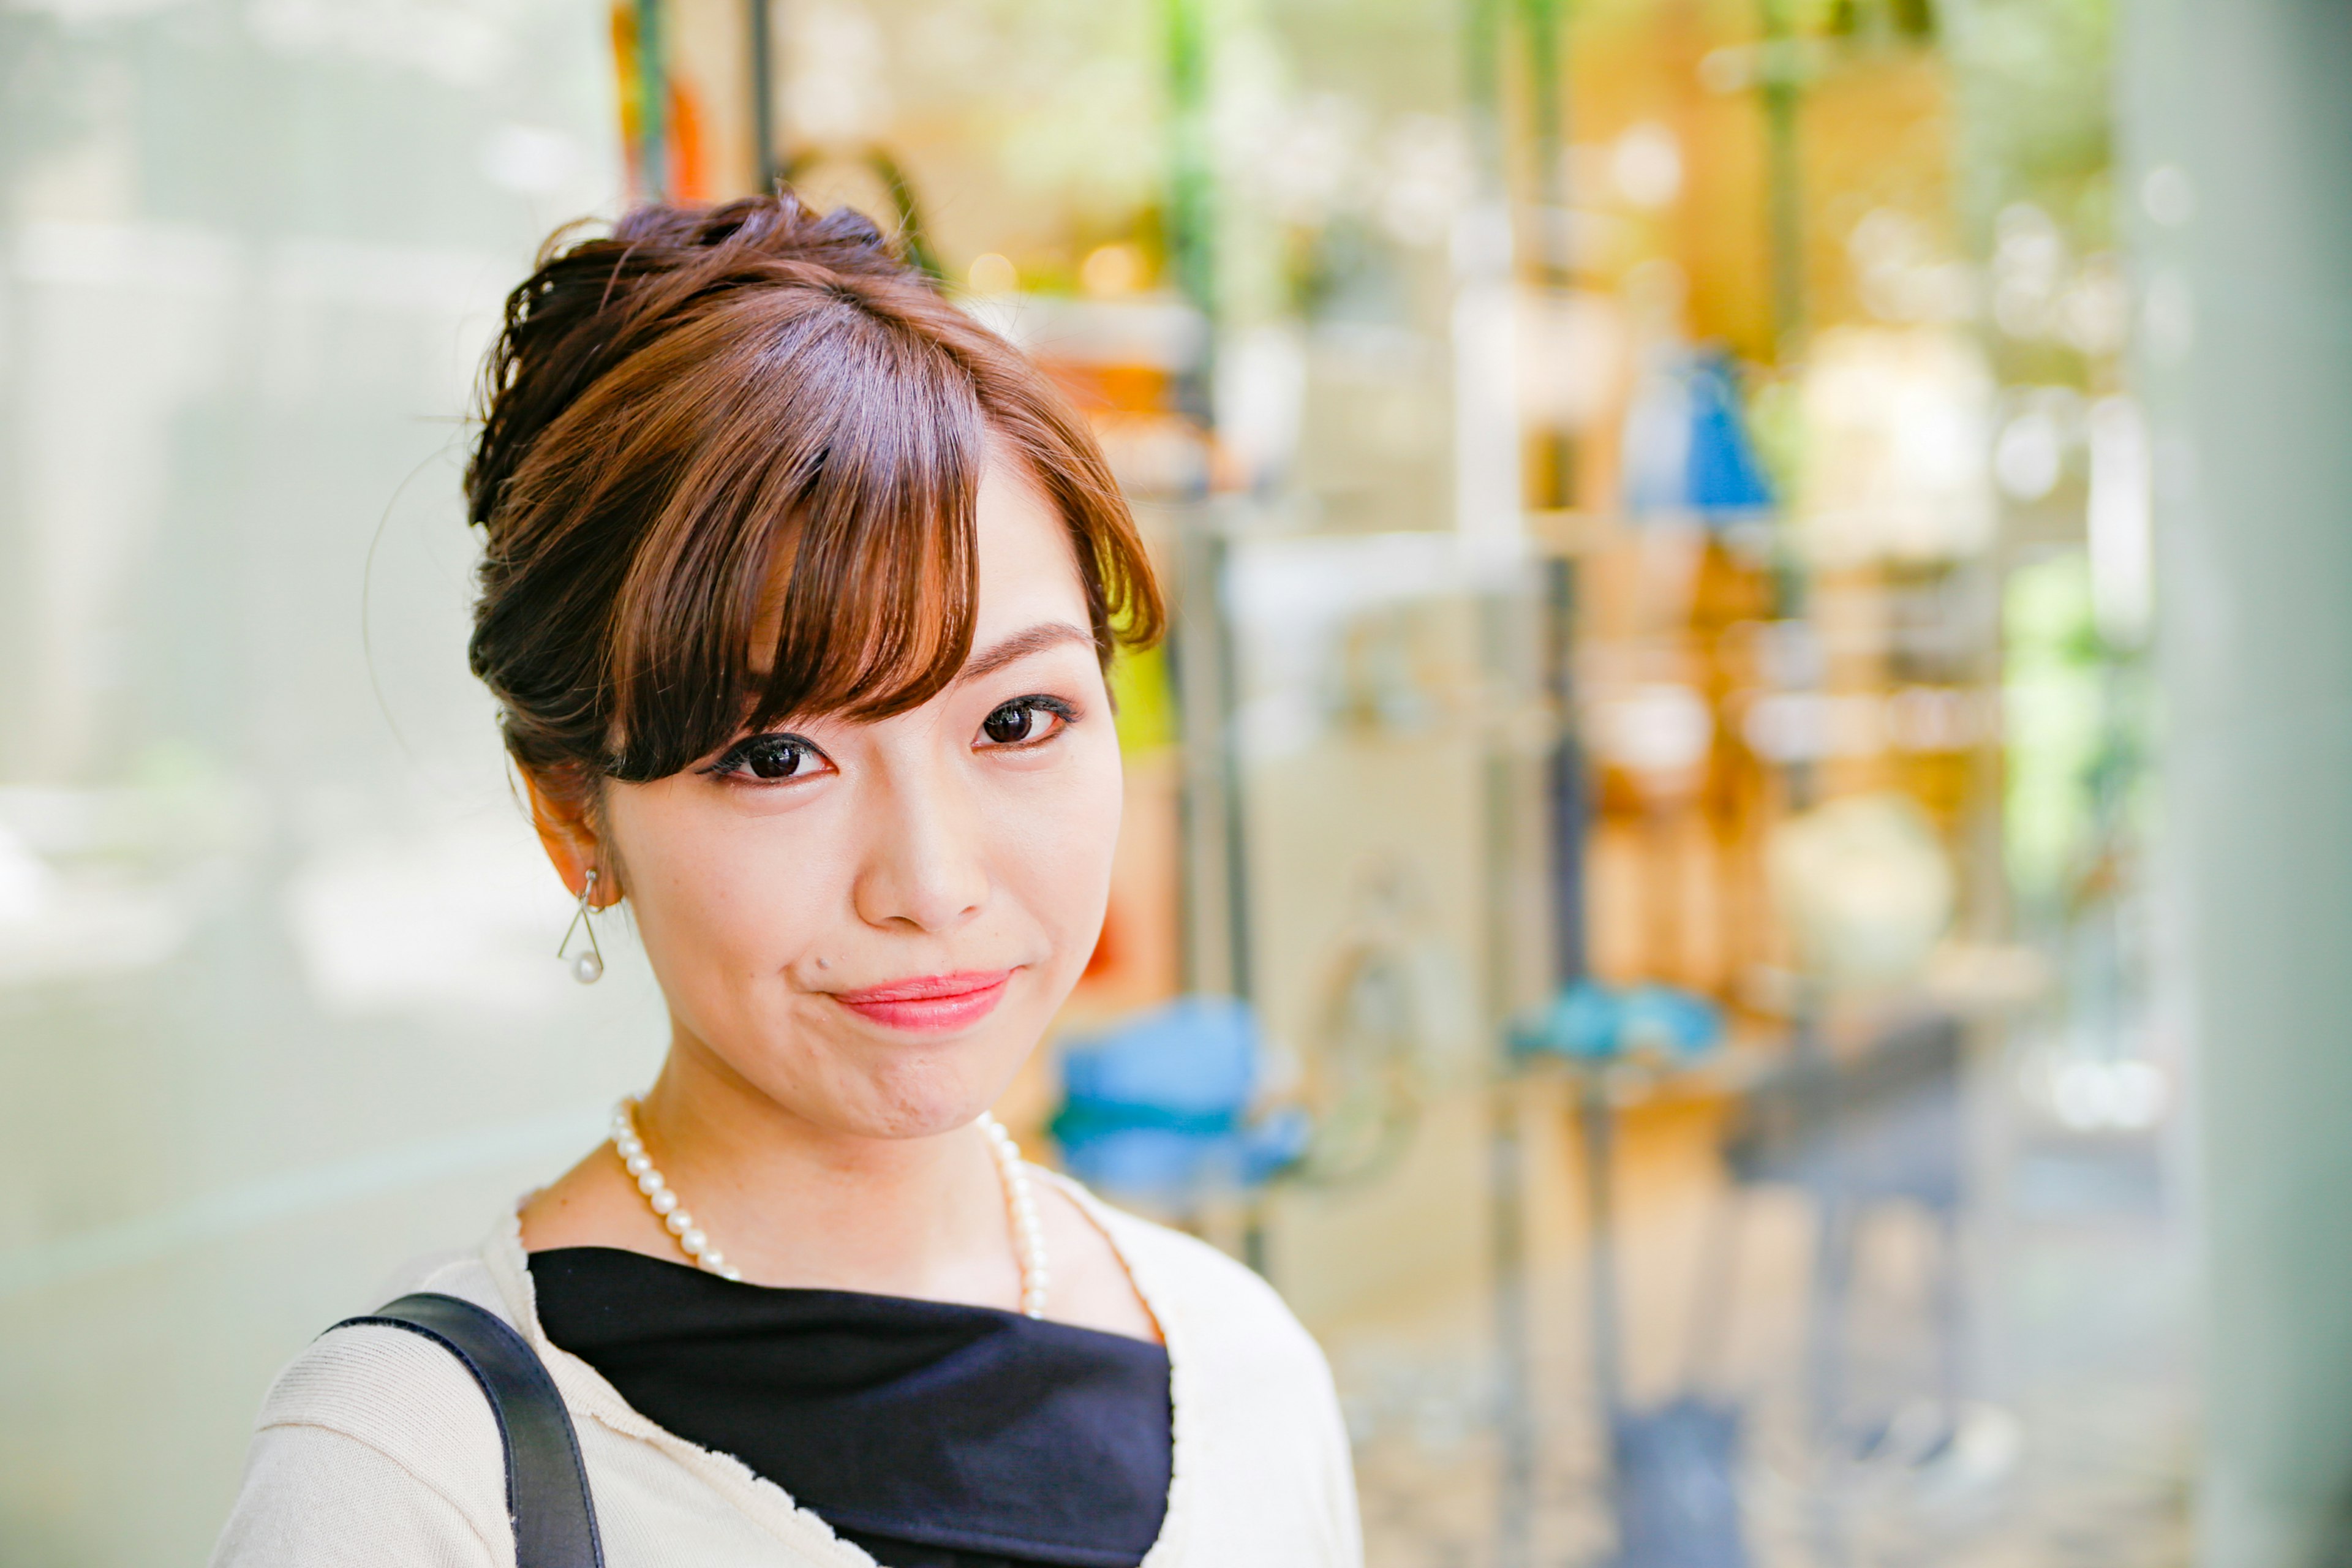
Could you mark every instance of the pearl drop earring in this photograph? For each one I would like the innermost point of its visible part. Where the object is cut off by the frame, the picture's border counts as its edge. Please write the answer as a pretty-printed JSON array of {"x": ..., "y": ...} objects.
[{"x": 589, "y": 967}]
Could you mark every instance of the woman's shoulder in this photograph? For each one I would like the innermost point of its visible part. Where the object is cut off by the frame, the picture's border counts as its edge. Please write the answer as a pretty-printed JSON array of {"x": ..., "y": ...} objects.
[
  {"x": 375, "y": 1445},
  {"x": 392, "y": 1388},
  {"x": 1265, "y": 1453}
]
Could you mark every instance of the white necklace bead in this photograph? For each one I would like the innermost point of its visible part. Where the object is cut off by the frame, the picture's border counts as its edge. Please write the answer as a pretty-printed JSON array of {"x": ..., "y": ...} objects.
[
  {"x": 1028, "y": 1237},
  {"x": 664, "y": 1202},
  {"x": 1019, "y": 1202}
]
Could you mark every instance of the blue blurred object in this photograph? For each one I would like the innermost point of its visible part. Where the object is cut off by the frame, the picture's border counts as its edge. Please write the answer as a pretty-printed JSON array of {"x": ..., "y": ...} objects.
[
  {"x": 1689, "y": 451},
  {"x": 1673, "y": 1466},
  {"x": 1156, "y": 1108},
  {"x": 1190, "y": 1065},
  {"x": 1591, "y": 1022},
  {"x": 1667, "y": 1019},
  {"x": 1581, "y": 1022},
  {"x": 1726, "y": 476},
  {"x": 1675, "y": 1485}
]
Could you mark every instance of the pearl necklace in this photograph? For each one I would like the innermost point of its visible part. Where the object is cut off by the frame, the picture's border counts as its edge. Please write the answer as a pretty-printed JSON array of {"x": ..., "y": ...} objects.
[{"x": 1028, "y": 1239}]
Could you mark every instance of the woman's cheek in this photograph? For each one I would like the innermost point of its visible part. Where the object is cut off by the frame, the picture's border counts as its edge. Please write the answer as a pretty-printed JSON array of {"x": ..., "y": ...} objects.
[
  {"x": 724, "y": 899},
  {"x": 1068, "y": 878},
  {"x": 770, "y": 892}
]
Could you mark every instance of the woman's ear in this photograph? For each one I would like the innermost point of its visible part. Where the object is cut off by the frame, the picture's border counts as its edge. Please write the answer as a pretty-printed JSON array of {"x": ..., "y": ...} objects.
[{"x": 570, "y": 838}]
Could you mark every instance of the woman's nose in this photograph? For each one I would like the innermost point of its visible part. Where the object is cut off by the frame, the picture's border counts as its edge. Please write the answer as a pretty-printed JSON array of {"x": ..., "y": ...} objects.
[{"x": 925, "y": 867}]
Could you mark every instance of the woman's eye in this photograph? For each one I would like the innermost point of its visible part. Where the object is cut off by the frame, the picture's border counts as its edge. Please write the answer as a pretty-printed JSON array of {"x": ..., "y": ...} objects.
[
  {"x": 1024, "y": 719},
  {"x": 776, "y": 757},
  {"x": 772, "y": 758}
]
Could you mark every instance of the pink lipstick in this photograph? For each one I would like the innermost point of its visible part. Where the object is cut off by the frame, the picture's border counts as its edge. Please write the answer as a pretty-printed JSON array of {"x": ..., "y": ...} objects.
[{"x": 930, "y": 1002}]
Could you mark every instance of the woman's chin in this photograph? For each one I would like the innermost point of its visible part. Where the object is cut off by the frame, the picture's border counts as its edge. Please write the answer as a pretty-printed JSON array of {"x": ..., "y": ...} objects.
[
  {"x": 923, "y": 1101},
  {"x": 930, "y": 1117},
  {"x": 860, "y": 1083}
]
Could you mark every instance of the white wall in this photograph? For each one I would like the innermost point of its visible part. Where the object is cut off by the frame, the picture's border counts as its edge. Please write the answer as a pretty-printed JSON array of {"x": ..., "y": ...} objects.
[{"x": 277, "y": 1004}]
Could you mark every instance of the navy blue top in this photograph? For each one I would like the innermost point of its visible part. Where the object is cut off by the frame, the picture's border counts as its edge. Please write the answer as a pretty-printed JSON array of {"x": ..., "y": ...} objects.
[{"x": 933, "y": 1435}]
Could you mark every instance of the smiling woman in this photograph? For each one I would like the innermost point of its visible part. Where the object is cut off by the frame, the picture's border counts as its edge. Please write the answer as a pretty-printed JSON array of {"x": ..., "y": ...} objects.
[{"x": 797, "y": 598}]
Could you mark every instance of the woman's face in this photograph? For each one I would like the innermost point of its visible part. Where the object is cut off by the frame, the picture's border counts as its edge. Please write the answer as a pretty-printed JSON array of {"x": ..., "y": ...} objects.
[{"x": 872, "y": 924}]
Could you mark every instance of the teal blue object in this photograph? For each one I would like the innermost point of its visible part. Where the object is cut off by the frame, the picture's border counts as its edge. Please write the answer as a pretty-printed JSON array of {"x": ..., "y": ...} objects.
[
  {"x": 1667, "y": 1019},
  {"x": 1591, "y": 1022},
  {"x": 1584, "y": 1020},
  {"x": 1158, "y": 1106}
]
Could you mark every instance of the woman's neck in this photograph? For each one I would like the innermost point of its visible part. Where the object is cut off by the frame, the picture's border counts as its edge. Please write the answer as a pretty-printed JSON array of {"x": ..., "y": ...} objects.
[{"x": 792, "y": 1202}]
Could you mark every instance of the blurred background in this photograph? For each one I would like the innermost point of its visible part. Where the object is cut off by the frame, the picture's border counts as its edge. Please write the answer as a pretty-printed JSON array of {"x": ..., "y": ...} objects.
[{"x": 1649, "y": 906}]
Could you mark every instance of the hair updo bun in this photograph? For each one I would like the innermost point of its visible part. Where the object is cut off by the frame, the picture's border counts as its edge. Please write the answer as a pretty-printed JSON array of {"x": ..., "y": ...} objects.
[
  {"x": 713, "y": 419},
  {"x": 595, "y": 303}
]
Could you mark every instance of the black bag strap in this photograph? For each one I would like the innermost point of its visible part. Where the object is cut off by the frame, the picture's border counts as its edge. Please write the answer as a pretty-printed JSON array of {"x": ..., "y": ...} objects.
[{"x": 547, "y": 1487}]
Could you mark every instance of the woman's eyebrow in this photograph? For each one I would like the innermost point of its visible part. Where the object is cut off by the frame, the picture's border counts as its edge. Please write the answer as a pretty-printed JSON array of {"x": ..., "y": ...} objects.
[{"x": 1021, "y": 645}]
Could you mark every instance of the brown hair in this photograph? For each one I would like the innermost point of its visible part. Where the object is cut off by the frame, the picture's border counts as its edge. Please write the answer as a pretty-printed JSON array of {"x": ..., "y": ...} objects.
[{"x": 711, "y": 404}]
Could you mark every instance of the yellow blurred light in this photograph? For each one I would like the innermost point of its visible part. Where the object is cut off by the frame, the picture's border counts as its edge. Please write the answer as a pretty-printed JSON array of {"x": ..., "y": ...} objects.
[
  {"x": 992, "y": 274},
  {"x": 1112, "y": 270}
]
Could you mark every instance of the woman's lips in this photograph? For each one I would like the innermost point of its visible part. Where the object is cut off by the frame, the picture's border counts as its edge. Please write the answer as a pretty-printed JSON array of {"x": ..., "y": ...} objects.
[{"x": 930, "y": 1002}]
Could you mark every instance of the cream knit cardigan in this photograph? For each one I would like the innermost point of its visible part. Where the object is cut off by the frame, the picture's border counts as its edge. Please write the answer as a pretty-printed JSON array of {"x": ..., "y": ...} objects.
[{"x": 376, "y": 1450}]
